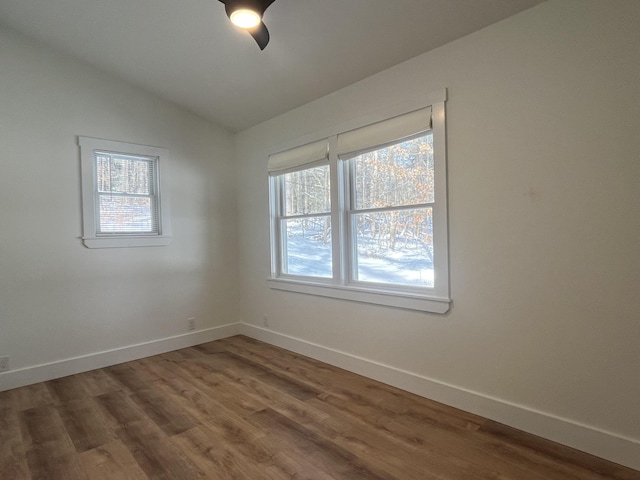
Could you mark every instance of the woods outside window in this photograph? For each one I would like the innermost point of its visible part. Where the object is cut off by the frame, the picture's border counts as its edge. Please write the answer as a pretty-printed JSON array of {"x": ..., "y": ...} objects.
[{"x": 361, "y": 215}]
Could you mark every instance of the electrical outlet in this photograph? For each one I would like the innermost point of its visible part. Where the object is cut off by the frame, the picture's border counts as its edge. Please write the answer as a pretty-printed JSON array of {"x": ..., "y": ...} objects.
[
  {"x": 265, "y": 321},
  {"x": 191, "y": 324},
  {"x": 4, "y": 364}
]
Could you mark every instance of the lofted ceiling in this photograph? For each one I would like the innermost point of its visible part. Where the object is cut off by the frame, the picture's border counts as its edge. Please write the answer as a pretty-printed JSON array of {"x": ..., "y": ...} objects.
[{"x": 187, "y": 51}]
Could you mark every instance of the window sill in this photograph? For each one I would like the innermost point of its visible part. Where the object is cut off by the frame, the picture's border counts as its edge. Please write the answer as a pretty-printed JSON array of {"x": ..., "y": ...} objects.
[
  {"x": 126, "y": 241},
  {"x": 378, "y": 297}
]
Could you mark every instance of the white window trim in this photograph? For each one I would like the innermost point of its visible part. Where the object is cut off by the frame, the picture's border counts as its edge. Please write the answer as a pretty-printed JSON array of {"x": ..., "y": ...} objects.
[
  {"x": 436, "y": 300},
  {"x": 88, "y": 176}
]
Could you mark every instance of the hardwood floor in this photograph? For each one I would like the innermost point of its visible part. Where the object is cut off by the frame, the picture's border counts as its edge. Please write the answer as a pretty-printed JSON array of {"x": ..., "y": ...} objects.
[{"x": 241, "y": 409}]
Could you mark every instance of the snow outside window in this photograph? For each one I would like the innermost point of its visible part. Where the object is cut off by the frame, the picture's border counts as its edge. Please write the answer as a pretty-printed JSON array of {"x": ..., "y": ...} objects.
[
  {"x": 305, "y": 226},
  {"x": 390, "y": 214},
  {"x": 361, "y": 215},
  {"x": 122, "y": 205}
]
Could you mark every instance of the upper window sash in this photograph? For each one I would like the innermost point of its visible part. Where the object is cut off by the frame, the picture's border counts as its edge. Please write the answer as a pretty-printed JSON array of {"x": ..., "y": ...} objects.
[{"x": 348, "y": 163}]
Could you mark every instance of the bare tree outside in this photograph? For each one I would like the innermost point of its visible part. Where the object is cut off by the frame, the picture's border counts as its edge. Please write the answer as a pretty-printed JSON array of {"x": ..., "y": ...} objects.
[
  {"x": 391, "y": 216},
  {"x": 125, "y": 193}
]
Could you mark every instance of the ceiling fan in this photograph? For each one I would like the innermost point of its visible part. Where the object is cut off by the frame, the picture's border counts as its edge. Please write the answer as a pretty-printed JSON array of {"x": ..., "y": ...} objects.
[{"x": 247, "y": 14}]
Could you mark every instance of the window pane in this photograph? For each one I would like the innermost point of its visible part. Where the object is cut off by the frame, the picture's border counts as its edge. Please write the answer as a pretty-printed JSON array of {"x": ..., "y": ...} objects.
[
  {"x": 307, "y": 191},
  {"x": 122, "y": 214},
  {"x": 401, "y": 174},
  {"x": 124, "y": 174},
  {"x": 395, "y": 247},
  {"x": 307, "y": 246}
]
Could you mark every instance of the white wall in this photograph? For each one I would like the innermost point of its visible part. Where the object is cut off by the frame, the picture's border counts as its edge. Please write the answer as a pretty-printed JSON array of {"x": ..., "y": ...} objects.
[
  {"x": 60, "y": 300},
  {"x": 543, "y": 122},
  {"x": 544, "y": 181}
]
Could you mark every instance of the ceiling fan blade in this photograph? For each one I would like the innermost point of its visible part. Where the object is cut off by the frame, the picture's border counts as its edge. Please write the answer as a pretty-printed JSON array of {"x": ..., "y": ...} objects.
[{"x": 261, "y": 35}]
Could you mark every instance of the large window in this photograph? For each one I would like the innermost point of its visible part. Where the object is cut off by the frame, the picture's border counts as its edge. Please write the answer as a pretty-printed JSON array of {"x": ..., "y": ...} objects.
[
  {"x": 122, "y": 205},
  {"x": 361, "y": 214}
]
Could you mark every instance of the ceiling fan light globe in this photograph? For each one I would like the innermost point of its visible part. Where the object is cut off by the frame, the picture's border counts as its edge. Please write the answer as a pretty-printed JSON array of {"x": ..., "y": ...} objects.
[{"x": 245, "y": 18}]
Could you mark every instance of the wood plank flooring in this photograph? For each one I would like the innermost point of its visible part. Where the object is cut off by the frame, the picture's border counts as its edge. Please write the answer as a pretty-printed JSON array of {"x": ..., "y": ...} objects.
[{"x": 241, "y": 409}]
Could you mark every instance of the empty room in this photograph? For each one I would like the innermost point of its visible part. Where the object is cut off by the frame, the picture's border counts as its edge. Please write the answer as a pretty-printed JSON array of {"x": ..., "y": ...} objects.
[{"x": 322, "y": 240}]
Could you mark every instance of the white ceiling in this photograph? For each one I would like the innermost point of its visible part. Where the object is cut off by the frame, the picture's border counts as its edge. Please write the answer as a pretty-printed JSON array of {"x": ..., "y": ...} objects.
[{"x": 188, "y": 52}]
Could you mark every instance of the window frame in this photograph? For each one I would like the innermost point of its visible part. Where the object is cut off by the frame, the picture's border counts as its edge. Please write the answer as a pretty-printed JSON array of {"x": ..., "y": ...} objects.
[
  {"x": 92, "y": 237},
  {"x": 341, "y": 286},
  {"x": 351, "y": 210}
]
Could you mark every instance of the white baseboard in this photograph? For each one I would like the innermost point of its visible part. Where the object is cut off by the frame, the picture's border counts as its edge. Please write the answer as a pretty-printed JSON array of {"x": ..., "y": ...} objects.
[
  {"x": 71, "y": 366},
  {"x": 607, "y": 445}
]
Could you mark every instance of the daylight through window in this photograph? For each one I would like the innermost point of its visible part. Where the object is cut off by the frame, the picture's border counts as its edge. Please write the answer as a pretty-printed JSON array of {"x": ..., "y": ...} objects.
[
  {"x": 126, "y": 193},
  {"x": 390, "y": 216},
  {"x": 121, "y": 194},
  {"x": 306, "y": 223},
  {"x": 361, "y": 215}
]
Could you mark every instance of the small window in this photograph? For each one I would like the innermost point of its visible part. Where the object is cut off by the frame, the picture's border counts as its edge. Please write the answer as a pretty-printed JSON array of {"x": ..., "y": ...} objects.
[
  {"x": 362, "y": 213},
  {"x": 121, "y": 191}
]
